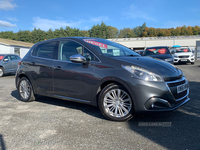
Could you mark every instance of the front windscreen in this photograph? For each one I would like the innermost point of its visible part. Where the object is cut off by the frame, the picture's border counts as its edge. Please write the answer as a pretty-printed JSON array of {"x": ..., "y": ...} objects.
[
  {"x": 182, "y": 50},
  {"x": 157, "y": 51},
  {"x": 110, "y": 49}
]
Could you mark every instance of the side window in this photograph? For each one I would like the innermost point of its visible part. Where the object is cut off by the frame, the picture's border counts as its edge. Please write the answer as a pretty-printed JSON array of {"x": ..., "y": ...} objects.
[
  {"x": 89, "y": 56},
  {"x": 45, "y": 50},
  {"x": 7, "y": 57},
  {"x": 69, "y": 48},
  {"x": 13, "y": 57}
]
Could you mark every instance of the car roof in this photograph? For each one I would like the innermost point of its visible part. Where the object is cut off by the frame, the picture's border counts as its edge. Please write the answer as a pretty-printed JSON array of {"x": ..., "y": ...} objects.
[
  {"x": 8, "y": 54},
  {"x": 158, "y": 47},
  {"x": 62, "y": 38}
]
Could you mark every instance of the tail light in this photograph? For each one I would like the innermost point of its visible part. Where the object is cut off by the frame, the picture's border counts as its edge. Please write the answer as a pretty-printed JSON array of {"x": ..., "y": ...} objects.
[{"x": 19, "y": 64}]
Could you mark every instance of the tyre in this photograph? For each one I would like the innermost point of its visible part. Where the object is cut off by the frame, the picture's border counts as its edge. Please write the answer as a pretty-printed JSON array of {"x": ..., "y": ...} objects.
[
  {"x": 192, "y": 63},
  {"x": 1, "y": 71},
  {"x": 115, "y": 103},
  {"x": 25, "y": 90}
]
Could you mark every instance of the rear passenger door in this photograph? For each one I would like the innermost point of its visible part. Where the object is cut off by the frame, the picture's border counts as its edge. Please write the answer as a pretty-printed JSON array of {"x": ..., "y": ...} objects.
[{"x": 41, "y": 66}]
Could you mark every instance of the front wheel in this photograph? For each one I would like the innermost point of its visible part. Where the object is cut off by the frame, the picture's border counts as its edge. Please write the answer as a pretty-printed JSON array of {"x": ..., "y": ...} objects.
[
  {"x": 25, "y": 90},
  {"x": 115, "y": 103},
  {"x": 192, "y": 63}
]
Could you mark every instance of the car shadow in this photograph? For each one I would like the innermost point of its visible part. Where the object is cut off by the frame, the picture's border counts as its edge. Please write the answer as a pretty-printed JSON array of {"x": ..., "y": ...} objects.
[
  {"x": 88, "y": 109},
  {"x": 2, "y": 143},
  {"x": 178, "y": 129}
]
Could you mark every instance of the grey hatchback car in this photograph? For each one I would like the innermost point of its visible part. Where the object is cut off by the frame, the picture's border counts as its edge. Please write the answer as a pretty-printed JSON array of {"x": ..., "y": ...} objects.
[
  {"x": 101, "y": 73},
  {"x": 8, "y": 63}
]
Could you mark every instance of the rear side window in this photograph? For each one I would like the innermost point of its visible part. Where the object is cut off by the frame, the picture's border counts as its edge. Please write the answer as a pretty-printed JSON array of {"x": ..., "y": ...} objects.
[
  {"x": 18, "y": 57},
  {"x": 1, "y": 57},
  {"x": 45, "y": 50}
]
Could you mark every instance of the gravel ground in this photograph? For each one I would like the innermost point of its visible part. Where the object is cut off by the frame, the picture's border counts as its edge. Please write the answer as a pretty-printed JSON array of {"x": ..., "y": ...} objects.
[{"x": 56, "y": 124}]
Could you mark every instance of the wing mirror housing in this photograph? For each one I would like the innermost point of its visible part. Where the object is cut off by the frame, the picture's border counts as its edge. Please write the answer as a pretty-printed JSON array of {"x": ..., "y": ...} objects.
[
  {"x": 78, "y": 58},
  {"x": 6, "y": 60}
]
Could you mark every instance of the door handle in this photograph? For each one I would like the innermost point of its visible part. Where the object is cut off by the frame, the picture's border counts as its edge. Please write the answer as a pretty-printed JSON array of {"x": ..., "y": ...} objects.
[{"x": 57, "y": 68}]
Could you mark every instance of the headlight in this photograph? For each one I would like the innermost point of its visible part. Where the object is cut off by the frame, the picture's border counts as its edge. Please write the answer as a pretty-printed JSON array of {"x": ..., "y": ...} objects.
[
  {"x": 168, "y": 59},
  {"x": 143, "y": 74},
  {"x": 192, "y": 55},
  {"x": 175, "y": 56}
]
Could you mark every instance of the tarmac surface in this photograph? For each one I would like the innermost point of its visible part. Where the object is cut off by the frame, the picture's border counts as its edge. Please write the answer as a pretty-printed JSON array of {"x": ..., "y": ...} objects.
[{"x": 54, "y": 124}]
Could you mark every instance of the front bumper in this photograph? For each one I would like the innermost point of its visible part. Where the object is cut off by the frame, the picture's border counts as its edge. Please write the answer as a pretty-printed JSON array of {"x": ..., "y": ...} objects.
[
  {"x": 158, "y": 96},
  {"x": 189, "y": 59}
]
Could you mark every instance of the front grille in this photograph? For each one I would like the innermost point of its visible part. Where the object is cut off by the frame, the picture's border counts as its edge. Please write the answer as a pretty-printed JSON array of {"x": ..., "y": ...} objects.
[
  {"x": 180, "y": 95},
  {"x": 183, "y": 56},
  {"x": 173, "y": 88},
  {"x": 175, "y": 83}
]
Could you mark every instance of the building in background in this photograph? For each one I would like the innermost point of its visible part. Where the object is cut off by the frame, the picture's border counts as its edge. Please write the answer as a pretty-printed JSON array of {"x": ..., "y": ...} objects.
[
  {"x": 14, "y": 47},
  {"x": 142, "y": 43}
]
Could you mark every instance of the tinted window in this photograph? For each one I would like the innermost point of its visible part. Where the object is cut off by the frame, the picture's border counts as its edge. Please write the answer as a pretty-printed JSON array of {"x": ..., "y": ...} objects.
[
  {"x": 18, "y": 57},
  {"x": 13, "y": 57},
  {"x": 69, "y": 48},
  {"x": 156, "y": 51},
  {"x": 45, "y": 50}
]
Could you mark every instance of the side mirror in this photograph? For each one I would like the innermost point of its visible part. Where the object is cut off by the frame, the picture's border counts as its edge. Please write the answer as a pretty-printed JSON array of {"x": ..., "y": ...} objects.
[
  {"x": 6, "y": 60},
  {"x": 172, "y": 52},
  {"x": 78, "y": 58}
]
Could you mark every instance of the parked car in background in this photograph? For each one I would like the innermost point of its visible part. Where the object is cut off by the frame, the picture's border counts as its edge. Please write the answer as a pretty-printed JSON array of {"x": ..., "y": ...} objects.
[
  {"x": 140, "y": 52},
  {"x": 8, "y": 63},
  {"x": 183, "y": 54},
  {"x": 101, "y": 73},
  {"x": 159, "y": 52}
]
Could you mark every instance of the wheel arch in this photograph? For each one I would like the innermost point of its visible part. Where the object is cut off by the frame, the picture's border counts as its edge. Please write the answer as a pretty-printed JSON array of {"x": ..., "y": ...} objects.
[
  {"x": 111, "y": 80},
  {"x": 18, "y": 77}
]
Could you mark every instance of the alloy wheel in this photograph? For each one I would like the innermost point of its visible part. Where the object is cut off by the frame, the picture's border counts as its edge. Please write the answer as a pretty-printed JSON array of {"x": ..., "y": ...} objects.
[
  {"x": 117, "y": 103},
  {"x": 24, "y": 89}
]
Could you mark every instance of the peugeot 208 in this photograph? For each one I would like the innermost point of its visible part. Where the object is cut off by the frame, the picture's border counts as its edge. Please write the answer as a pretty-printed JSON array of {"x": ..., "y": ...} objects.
[{"x": 101, "y": 73}]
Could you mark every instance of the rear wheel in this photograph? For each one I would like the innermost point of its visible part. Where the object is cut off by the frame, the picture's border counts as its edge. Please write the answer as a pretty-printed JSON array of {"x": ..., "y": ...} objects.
[
  {"x": 25, "y": 90},
  {"x": 115, "y": 103},
  {"x": 1, "y": 71}
]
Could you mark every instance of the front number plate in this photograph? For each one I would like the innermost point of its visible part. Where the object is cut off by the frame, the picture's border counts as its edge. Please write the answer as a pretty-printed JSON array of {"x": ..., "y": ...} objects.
[
  {"x": 182, "y": 88},
  {"x": 183, "y": 59}
]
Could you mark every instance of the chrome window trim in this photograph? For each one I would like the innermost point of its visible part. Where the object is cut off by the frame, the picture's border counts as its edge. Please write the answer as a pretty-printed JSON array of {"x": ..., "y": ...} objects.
[{"x": 182, "y": 79}]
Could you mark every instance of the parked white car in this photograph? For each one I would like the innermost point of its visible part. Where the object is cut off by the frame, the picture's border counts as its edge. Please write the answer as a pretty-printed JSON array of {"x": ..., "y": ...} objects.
[{"x": 183, "y": 55}]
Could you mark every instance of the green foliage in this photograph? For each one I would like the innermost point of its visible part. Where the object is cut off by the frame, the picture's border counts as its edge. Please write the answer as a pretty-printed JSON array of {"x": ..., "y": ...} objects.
[{"x": 99, "y": 31}]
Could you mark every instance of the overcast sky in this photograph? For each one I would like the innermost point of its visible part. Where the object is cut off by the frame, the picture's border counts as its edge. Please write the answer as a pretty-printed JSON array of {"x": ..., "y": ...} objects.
[{"x": 83, "y": 14}]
